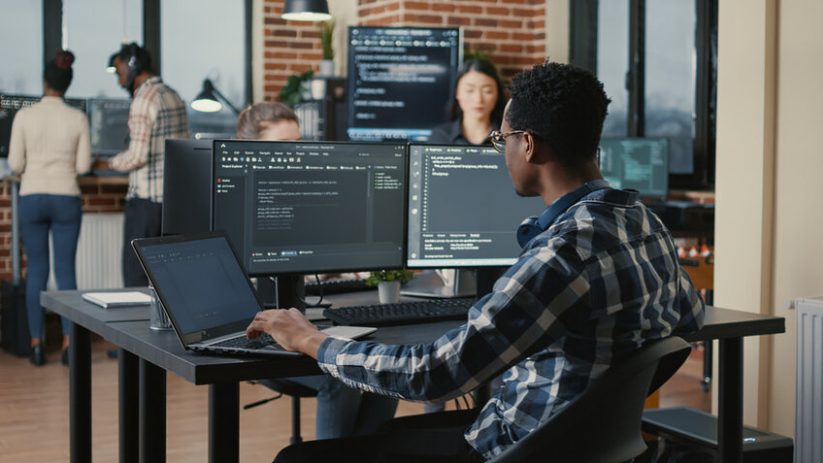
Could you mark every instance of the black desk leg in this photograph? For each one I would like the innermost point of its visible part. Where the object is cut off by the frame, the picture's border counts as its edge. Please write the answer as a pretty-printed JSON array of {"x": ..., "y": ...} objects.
[
  {"x": 224, "y": 423},
  {"x": 152, "y": 413},
  {"x": 80, "y": 393},
  {"x": 128, "y": 369},
  {"x": 730, "y": 401}
]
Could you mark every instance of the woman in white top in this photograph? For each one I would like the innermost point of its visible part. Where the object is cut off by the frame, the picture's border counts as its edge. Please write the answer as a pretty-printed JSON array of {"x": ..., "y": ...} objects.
[{"x": 50, "y": 147}]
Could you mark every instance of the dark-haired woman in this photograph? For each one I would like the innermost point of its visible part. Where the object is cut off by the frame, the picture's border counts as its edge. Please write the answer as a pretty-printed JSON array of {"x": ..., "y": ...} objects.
[
  {"x": 49, "y": 147},
  {"x": 477, "y": 106},
  {"x": 476, "y": 109}
]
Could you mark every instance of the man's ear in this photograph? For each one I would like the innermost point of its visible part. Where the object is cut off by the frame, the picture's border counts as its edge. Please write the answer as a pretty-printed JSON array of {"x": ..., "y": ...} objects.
[{"x": 530, "y": 143}]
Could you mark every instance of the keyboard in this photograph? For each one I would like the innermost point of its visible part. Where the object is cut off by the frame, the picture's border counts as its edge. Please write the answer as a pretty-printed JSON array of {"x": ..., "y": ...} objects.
[
  {"x": 243, "y": 342},
  {"x": 404, "y": 313},
  {"x": 336, "y": 286}
]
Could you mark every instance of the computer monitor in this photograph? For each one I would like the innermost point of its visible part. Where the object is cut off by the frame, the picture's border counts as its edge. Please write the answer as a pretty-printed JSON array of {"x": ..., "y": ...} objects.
[
  {"x": 311, "y": 207},
  {"x": 10, "y": 104},
  {"x": 463, "y": 208},
  {"x": 641, "y": 164},
  {"x": 109, "y": 124},
  {"x": 186, "y": 187},
  {"x": 400, "y": 80}
]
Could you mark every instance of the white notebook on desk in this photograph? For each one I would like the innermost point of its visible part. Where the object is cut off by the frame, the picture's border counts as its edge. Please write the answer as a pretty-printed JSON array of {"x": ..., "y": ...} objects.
[{"x": 118, "y": 299}]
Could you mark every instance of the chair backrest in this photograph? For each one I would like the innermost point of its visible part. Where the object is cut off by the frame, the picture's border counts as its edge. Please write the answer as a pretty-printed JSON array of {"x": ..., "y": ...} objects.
[{"x": 603, "y": 424}]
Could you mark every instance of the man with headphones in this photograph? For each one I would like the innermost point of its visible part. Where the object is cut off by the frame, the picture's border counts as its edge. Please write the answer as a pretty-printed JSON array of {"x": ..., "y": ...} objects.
[
  {"x": 156, "y": 113},
  {"x": 597, "y": 277}
]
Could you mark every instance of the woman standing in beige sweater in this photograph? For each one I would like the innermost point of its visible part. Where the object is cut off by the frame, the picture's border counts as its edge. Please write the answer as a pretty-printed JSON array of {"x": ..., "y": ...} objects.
[{"x": 50, "y": 147}]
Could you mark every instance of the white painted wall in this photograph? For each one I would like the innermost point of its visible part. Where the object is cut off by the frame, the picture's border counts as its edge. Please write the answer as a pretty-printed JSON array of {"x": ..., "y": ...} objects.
[
  {"x": 798, "y": 256},
  {"x": 743, "y": 165},
  {"x": 557, "y": 30}
]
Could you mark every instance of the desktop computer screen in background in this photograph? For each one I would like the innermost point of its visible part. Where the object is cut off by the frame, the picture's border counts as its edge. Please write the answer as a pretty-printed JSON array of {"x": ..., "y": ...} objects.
[
  {"x": 311, "y": 207},
  {"x": 641, "y": 164},
  {"x": 109, "y": 124},
  {"x": 400, "y": 81},
  {"x": 463, "y": 209},
  {"x": 10, "y": 104}
]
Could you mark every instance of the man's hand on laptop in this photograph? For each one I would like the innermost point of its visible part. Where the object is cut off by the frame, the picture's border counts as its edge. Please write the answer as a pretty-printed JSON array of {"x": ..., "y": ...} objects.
[{"x": 289, "y": 328}]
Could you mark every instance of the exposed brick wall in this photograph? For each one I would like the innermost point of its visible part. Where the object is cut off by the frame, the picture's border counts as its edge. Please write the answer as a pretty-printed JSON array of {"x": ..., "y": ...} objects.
[
  {"x": 291, "y": 47},
  {"x": 512, "y": 32},
  {"x": 108, "y": 196}
]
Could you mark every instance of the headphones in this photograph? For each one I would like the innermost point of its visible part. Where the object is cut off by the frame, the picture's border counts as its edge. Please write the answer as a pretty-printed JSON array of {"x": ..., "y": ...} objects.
[
  {"x": 533, "y": 226},
  {"x": 135, "y": 64}
]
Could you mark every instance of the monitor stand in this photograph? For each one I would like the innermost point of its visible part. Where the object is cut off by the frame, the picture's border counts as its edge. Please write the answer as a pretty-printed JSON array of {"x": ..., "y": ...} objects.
[
  {"x": 429, "y": 284},
  {"x": 282, "y": 292}
]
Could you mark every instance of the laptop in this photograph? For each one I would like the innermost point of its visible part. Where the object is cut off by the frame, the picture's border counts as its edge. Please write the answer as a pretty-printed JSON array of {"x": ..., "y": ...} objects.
[{"x": 208, "y": 296}]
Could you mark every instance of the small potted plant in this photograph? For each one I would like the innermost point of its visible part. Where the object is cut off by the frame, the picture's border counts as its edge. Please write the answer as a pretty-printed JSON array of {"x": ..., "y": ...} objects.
[
  {"x": 388, "y": 283},
  {"x": 326, "y": 33}
]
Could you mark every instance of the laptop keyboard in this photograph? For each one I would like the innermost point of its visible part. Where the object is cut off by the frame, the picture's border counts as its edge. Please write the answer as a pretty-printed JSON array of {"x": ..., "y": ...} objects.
[
  {"x": 404, "y": 313},
  {"x": 242, "y": 342}
]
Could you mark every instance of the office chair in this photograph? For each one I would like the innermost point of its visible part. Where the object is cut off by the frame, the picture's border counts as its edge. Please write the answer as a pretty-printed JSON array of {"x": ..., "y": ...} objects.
[
  {"x": 603, "y": 424},
  {"x": 296, "y": 392}
]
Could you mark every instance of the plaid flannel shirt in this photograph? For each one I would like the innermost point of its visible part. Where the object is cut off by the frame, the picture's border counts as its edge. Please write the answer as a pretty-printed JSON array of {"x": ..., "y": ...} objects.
[
  {"x": 156, "y": 113},
  {"x": 592, "y": 288}
]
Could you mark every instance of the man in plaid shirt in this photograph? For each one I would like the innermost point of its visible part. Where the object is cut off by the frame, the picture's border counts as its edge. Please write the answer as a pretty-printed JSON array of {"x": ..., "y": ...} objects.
[
  {"x": 156, "y": 113},
  {"x": 597, "y": 277}
]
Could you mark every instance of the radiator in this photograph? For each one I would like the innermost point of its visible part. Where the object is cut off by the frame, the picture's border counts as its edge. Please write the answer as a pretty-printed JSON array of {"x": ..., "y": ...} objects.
[
  {"x": 98, "y": 252},
  {"x": 808, "y": 424}
]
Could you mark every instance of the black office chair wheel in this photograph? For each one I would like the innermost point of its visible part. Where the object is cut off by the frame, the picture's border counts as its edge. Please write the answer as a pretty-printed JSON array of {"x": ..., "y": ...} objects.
[{"x": 296, "y": 391}]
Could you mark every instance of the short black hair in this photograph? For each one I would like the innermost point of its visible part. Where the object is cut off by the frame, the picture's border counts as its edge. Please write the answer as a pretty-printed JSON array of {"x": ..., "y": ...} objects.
[
  {"x": 485, "y": 67},
  {"x": 58, "y": 73},
  {"x": 140, "y": 54},
  {"x": 564, "y": 106}
]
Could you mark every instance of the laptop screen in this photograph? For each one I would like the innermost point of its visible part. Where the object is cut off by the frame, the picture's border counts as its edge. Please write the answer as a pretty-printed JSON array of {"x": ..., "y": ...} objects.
[{"x": 201, "y": 283}]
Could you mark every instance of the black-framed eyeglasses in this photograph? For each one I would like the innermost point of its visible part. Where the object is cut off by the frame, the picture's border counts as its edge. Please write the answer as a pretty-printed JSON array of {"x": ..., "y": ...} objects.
[{"x": 499, "y": 139}]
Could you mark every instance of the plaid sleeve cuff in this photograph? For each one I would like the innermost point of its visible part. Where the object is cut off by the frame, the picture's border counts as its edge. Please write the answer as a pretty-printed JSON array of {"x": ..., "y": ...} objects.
[{"x": 327, "y": 354}]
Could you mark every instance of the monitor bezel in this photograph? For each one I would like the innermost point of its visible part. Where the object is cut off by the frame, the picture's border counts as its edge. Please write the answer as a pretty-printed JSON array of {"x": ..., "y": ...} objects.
[{"x": 404, "y": 243}]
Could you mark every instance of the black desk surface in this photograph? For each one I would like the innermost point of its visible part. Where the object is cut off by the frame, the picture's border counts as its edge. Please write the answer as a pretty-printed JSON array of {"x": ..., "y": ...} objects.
[{"x": 128, "y": 328}]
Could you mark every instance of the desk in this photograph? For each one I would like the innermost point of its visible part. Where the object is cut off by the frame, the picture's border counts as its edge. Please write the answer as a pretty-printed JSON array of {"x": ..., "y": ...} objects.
[{"x": 146, "y": 355}]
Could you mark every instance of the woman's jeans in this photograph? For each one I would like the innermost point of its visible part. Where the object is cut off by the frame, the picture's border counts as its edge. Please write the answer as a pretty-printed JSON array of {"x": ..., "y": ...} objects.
[{"x": 38, "y": 214}]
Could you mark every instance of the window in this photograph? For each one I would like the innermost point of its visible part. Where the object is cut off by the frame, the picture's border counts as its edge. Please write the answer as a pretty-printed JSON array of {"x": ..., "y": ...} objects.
[
  {"x": 206, "y": 39},
  {"x": 612, "y": 63},
  {"x": 657, "y": 60},
  {"x": 94, "y": 37},
  {"x": 22, "y": 68},
  {"x": 670, "y": 78}
]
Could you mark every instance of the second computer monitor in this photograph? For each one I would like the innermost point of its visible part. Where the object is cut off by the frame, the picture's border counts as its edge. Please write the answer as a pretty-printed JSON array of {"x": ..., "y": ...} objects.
[
  {"x": 641, "y": 164},
  {"x": 463, "y": 209},
  {"x": 310, "y": 207}
]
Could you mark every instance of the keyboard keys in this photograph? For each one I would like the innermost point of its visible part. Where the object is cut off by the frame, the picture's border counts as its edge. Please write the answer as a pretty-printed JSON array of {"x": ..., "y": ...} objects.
[{"x": 404, "y": 313}]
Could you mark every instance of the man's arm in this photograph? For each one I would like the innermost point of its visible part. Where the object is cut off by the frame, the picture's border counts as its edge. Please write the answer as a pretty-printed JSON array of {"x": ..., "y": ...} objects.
[
  {"x": 534, "y": 304},
  {"x": 142, "y": 117}
]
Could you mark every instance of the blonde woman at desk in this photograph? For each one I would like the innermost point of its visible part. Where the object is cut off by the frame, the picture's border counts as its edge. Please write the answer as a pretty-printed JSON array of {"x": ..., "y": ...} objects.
[
  {"x": 49, "y": 147},
  {"x": 341, "y": 411}
]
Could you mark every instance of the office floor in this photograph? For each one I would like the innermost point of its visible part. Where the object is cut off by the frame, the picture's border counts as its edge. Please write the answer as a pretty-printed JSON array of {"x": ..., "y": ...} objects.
[{"x": 34, "y": 410}]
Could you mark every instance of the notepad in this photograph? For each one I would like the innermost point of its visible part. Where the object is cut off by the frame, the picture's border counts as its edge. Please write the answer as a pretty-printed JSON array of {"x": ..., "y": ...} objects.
[{"x": 118, "y": 299}]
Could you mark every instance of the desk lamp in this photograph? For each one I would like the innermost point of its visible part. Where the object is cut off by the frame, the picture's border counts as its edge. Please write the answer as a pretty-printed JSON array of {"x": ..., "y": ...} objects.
[{"x": 207, "y": 101}]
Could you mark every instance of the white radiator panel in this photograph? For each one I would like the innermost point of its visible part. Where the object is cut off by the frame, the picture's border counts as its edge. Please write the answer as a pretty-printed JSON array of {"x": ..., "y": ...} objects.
[
  {"x": 808, "y": 426},
  {"x": 99, "y": 252}
]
